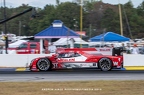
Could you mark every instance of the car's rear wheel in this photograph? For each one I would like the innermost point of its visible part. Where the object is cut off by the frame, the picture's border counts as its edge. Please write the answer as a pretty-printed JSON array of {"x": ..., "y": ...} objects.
[
  {"x": 105, "y": 64},
  {"x": 44, "y": 64}
]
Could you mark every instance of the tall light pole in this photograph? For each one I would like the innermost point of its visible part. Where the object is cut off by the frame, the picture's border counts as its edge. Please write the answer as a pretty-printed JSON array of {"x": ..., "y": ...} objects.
[
  {"x": 120, "y": 16},
  {"x": 20, "y": 28},
  {"x": 5, "y": 30},
  {"x": 81, "y": 18}
]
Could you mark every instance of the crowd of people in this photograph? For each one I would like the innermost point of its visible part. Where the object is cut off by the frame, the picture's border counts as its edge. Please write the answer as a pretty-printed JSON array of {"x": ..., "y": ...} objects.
[{"x": 132, "y": 49}]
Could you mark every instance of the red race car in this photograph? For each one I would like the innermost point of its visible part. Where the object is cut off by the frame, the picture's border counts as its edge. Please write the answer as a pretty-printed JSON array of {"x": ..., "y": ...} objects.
[{"x": 76, "y": 58}]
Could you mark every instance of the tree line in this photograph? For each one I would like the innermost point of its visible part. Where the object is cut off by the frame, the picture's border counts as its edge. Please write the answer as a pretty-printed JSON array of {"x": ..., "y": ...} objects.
[{"x": 98, "y": 17}]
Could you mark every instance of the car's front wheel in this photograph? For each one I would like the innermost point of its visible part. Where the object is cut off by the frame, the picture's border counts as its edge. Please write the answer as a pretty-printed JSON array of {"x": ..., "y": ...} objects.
[
  {"x": 44, "y": 64},
  {"x": 105, "y": 64}
]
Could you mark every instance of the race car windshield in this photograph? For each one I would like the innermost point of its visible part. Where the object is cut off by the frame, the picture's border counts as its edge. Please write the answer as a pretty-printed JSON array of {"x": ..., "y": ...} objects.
[{"x": 68, "y": 55}]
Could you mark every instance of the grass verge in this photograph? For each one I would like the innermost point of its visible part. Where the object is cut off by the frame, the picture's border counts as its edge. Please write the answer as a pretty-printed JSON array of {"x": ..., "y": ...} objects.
[{"x": 73, "y": 88}]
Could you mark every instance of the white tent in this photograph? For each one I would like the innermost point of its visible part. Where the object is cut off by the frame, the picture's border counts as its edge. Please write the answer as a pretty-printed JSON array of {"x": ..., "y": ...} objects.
[
  {"x": 65, "y": 41},
  {"x": 80, "y": 41},
  {"x": 62, "y": 41}
]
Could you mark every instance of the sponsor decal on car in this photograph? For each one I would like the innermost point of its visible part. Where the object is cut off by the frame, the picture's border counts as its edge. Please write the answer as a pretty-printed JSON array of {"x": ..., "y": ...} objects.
[
  {"x": 55, "y": 65},
  {"x": 80, "y": 65},
  {"x": 105, "y": 49},
  {"x": 65, "y": 60},
  {"x": 115, "y": 63}
]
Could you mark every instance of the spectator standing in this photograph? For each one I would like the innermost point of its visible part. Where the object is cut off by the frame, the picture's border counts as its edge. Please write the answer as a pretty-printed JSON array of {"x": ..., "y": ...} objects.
[
  {"x": 112, "y": 45},
  {"x": 123, "y": 47},
  {"x": 135, "y": 49},
  {"x": 128, "y": 49},
  {"x": 141, "y": 50},
  {"x": 52, "y": 48}
]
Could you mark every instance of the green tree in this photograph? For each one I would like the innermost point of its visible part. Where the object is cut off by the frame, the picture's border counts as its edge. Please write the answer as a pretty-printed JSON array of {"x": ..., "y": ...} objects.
[
  {"x": 97, "y": 17},
  {"x": 57, "y": 2},
  {"x": 69, "y": 13},
  {"x": 110, "y": 21},
  {"x": 132, "y": 17},
  {"x": 46, "y": 16},
  {"x": 140, "y": 20}
]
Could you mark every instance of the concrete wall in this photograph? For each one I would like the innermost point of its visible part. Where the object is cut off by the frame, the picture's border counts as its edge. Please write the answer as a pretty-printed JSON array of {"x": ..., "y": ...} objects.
[
  {"x": 23, "y": 60},
  {"x": 133, "y": 60},
  {"x": 18, "y": 60}
]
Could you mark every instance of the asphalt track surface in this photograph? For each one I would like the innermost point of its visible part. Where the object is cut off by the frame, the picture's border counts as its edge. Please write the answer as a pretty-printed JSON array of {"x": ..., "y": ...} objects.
[{"x": 69, "y": 75}]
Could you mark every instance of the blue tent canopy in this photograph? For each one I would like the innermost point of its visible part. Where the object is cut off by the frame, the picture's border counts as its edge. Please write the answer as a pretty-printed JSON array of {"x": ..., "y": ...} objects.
[
  {"x": 108, "y": 37},
  {"x": 56, "y": 30}
]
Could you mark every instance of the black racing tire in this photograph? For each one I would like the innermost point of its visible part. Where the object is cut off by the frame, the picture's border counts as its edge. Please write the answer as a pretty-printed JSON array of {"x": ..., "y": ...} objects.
[
  {"x": 105, "y": 64},
  {"x": 44, "y": 64}
]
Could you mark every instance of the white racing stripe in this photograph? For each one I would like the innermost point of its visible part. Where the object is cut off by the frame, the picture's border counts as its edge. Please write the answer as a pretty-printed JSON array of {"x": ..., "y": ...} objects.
[{"x": 79, "y": 65}]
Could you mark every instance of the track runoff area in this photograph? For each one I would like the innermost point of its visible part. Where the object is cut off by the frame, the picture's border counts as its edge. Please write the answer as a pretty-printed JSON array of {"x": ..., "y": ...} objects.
[{"x": 127, "y": 68}]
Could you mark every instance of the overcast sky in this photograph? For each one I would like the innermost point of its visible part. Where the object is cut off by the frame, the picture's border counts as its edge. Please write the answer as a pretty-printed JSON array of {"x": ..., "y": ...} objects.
[{"x": 42, "y": 3}]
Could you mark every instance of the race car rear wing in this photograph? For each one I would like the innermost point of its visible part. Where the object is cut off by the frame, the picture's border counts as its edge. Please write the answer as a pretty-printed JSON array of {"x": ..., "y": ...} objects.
[
  {"x": 117, "y": 51},
  {"x": 75, "y": 49}
]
